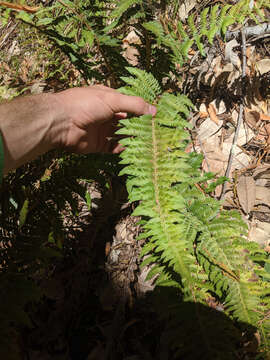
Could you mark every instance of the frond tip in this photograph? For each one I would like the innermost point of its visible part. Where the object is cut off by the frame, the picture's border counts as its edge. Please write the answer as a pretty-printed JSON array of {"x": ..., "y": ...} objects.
[{"x": 143, "y": 84}]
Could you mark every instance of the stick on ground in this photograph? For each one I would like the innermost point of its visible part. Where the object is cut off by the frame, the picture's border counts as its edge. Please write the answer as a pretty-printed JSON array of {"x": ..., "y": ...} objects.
[{"x": 240, "y": 115}]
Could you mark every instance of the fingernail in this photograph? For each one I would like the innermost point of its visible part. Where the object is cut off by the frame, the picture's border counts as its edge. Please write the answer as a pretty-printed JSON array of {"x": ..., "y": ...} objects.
[{"x": 152, "y": 110}]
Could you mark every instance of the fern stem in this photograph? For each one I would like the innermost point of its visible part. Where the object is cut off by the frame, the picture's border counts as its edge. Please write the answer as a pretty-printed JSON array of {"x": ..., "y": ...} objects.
[{"x": 184, "y": 271}]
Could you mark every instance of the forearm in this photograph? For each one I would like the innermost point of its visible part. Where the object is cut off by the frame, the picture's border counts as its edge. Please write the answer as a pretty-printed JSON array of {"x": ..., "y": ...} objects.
[{"x": 29, "y": 128}]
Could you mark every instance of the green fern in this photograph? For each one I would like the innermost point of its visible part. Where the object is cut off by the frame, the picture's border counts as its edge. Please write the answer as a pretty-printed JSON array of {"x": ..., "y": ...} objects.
[
  {"x": 144, "y": 85},
  {"x": 188, "y": 233},
  {"x": 212, "y": 21},
  {"x": 121, "y": 7},
  {"x": 79, "y": 30}
]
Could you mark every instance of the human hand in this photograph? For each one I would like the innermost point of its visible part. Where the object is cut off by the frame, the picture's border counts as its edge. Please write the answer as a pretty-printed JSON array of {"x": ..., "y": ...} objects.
[
  {"x": 82, "y": 120},
  {"x": 89, "y": 117}
]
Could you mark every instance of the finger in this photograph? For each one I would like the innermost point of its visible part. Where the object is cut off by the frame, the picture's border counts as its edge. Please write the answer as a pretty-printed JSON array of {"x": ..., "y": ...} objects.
[
  {"x": 118, "y": 149},
  {"x": 120, "y": 116},
  {"x": 101, "y": 87},
  {"x": 130, "y": 104},
  {"x": 125, "y": 103},
  {"x": 112, "y": 146}
]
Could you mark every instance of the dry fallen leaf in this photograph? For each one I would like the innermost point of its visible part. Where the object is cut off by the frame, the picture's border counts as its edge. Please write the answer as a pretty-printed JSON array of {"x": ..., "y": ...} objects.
[
  {"x": 230, "y": 55},
  {"x": 208, "y": 129},
  {"x": 262, "y": 172},
  {"x": 214, "y": 157},
  {"x": 130, "y": 52},
  {"x": 249, "y": 52},
  {"x": 263, "y": 66},
  {"x": 263, "y": 195},
  {"x": 260, "y": 233},
  {"x": 219, "y": 106},
  {"x": 185, "y": 8},
  {"x": 217, "y": 154},
  {"x": 252, "y": 119},
  {"x": 264, "y": 117},
  {"x": 203, "y": 115},
  {"x": 246, "y": 191},
  {"x": 261, "y": 182},
  {"x": 212, "y": 113},
  {"x": 258, "y": 105}
]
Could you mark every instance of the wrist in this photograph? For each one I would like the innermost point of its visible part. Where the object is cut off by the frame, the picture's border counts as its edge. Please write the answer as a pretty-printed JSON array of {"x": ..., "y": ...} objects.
[
  {"x": 62, "y": 132},
  {"x": 59, "y": 121}
]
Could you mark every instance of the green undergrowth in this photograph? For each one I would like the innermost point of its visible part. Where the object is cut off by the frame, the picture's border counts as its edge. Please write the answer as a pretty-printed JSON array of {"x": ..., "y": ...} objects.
[
  {"x": 40, "y": 224},
  {"x": 30, "y": 63}
]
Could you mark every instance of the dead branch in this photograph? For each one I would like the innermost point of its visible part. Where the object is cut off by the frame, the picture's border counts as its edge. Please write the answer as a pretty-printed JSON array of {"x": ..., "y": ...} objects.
[
  {"x": 19, "y": 7},
  {"x": 257, "y": 30}
]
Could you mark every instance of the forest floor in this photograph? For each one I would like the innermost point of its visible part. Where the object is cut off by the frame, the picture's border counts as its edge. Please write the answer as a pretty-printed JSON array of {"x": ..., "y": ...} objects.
[{"x": 98, "y": 305}]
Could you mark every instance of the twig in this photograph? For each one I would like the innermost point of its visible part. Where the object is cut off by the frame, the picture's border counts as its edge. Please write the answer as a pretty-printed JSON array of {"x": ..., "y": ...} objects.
[
  {"x": 258, "y": 38},
  {"x": 18, "y": 7},
  {"x": 258, "y": 30},
  {"x": 240, "y": 115}
]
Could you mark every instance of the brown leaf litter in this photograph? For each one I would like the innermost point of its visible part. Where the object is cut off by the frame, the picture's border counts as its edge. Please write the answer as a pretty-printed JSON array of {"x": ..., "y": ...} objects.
[{"x": 215, "y": 125}]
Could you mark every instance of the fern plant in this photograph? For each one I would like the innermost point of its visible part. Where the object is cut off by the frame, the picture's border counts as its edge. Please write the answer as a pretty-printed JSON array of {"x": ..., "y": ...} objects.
[
  {"x": 212, "y": 21},
  {"x": 84, "y": 28},
  {"x": 190, "y": 237},
  {"x": 79, "y": 29}
]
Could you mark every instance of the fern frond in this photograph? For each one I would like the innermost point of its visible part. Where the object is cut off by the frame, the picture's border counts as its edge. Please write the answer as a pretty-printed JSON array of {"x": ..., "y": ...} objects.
[
  {"x": 122, "y": 6},
  {"x": 144, "y": 85},
  {"x": 204, "y": 20},
  {"x": 195, "y": 34},
  {"x": 181, "y": 31},
  {"x": 156, "y": 28},
  {"x": 152, "y": 178},
  {"x": 187, "y": 232},
  {"x": 212, "y": 22}
]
